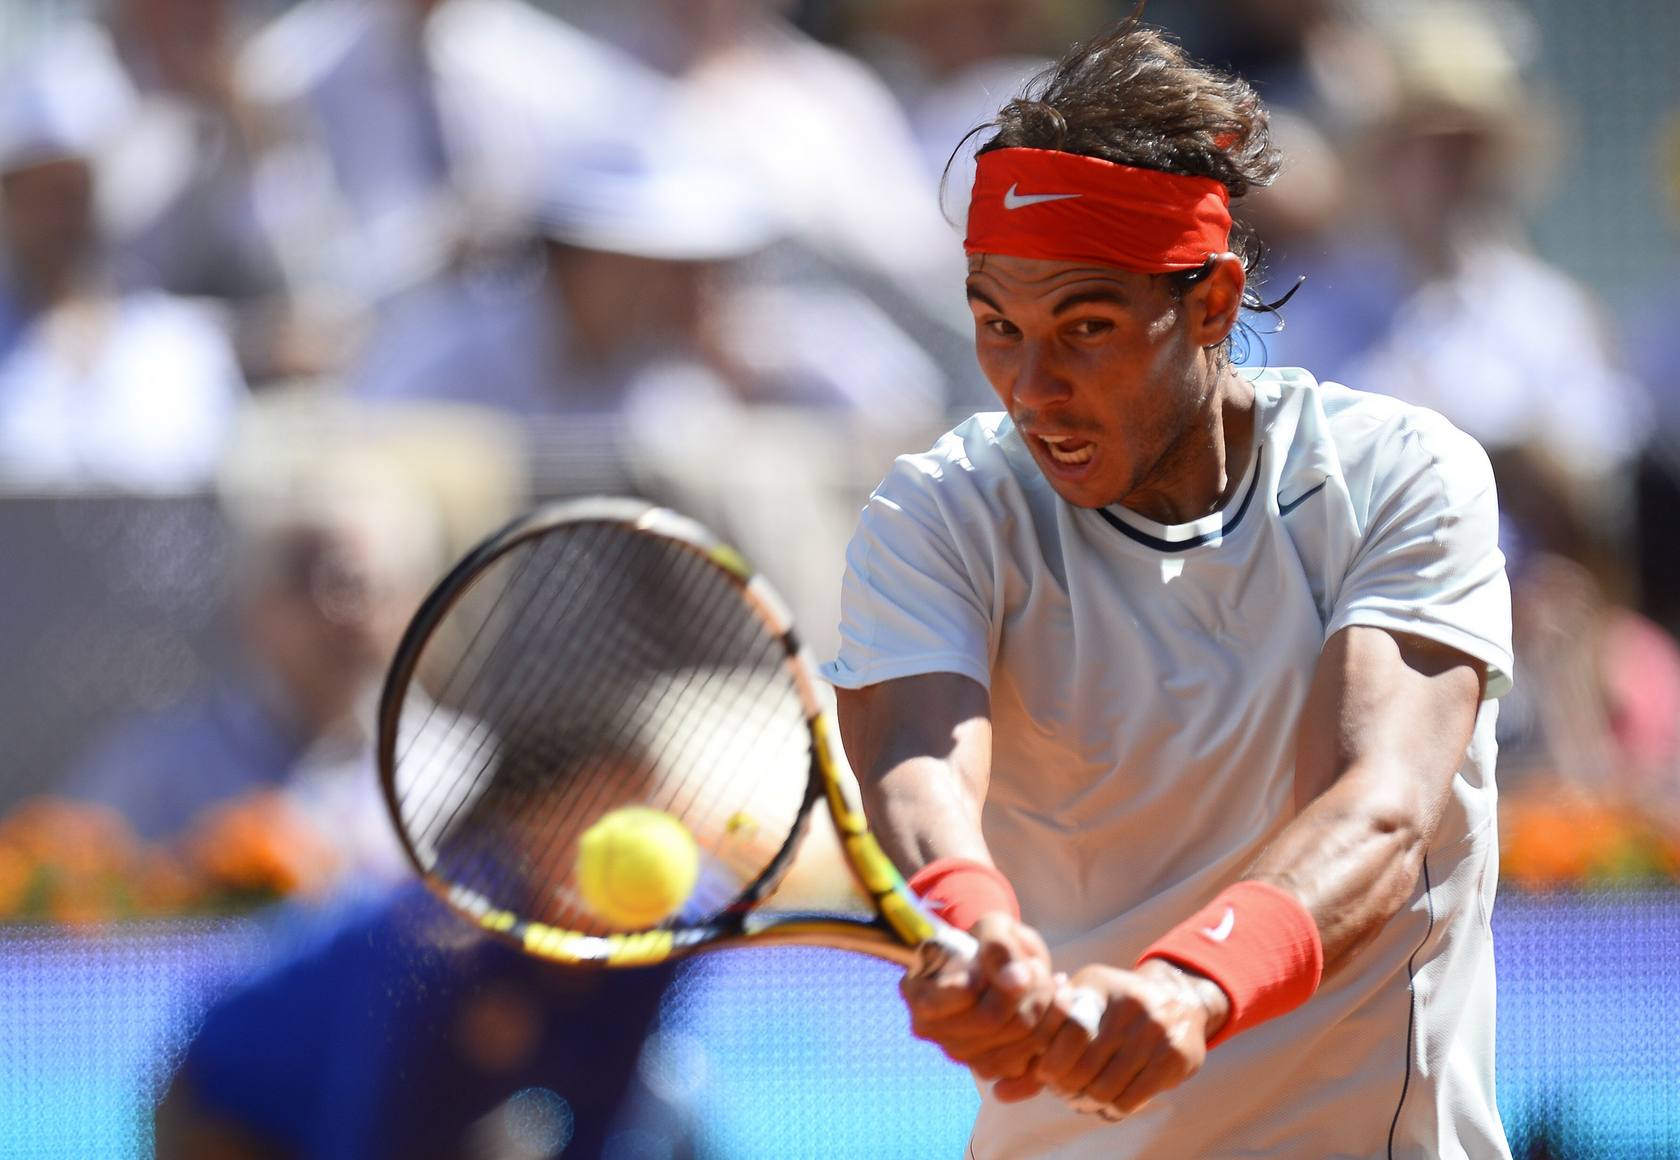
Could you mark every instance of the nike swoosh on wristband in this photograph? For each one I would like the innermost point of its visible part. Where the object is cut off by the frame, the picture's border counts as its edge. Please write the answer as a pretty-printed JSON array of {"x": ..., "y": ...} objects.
[
  {"x": 1013, "y": 200},
  {"x": 1221, "y": 932}
]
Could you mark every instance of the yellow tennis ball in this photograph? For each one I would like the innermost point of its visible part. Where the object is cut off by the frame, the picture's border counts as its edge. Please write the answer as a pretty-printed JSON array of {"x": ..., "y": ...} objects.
[{"x": 636, "y": 867}]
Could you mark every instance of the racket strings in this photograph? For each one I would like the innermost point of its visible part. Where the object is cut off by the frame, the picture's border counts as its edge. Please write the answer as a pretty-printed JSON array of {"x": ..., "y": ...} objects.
[
  {"x": 562, "y": 735},
  {"x": 452, "y": 773},
  {"x": 701, "y": 755},
  {"x": 678, "y": 705},
  {"x": 591, "y": 668}
]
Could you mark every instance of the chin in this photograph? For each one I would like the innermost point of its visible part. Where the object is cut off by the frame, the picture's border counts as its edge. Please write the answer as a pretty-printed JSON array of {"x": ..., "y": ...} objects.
[{"x": 1079, "y": 495}]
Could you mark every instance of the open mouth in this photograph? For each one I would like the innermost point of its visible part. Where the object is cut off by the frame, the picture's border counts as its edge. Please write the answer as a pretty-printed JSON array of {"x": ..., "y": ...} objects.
[{"x": 1068, "y": 449}]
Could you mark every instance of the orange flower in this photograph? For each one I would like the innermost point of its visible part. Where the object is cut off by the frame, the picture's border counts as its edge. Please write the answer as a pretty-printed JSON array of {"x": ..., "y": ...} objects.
[
  {"x": 84, "y": 838},
  {"x": 1557, "y": 835},
  {"x": 163, "y": 885},
  {"x": 261, "y": 845},
  {"x": 17, "y": 871}
]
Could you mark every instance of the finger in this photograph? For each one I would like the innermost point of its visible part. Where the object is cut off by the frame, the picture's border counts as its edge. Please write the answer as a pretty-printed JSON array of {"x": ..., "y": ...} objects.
[
  {"x": 1013, "y": 1091},
  {"x": 1118, "y": 1072},
  {"x": 936, "y": 958},
  {"x": 937, "y": 1000},
  {"x": 1082, "y": 1005},
  {"x": 1011, "y": 968},
  {"x": 1015, "y": 1059},
  {"x": 1063, "y": 1051},
  {"x": 995, "y": 1023},
  {"x": 1163, "y": 1071},
  {"x": 1120, "y": 1026}
]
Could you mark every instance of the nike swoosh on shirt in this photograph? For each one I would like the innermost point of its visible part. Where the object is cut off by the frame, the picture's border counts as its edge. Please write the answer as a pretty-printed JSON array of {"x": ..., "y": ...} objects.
[
  {"x": 1013, "y": 200},
  {"x": 1285, "y": 508},
  {"x": 1223, "y": 931}
]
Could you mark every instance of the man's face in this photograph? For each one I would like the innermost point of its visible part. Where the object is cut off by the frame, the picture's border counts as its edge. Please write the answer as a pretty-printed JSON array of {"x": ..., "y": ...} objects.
[
  {"x": 46, "y": 219},
  {"x": 1095, "y": 365},
  {"x": 327, "y": 617}
]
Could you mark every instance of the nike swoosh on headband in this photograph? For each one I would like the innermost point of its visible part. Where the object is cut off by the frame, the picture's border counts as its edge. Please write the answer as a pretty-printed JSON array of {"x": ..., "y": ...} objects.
[{"x": 1013, "y": 200}]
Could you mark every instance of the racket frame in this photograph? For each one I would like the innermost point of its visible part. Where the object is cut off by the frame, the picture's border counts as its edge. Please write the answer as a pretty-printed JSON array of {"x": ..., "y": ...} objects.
[{"x": 903, "y": 930}]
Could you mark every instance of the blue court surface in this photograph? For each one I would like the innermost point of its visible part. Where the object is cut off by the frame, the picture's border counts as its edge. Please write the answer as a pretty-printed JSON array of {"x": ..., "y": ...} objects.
[{"x": 787, "y": 1053}]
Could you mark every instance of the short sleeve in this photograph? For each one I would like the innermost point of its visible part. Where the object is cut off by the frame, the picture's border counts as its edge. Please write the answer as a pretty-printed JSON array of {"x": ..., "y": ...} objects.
[
  {"x": 1429, "y": 562},
  {"x": 914, "y": 599}
]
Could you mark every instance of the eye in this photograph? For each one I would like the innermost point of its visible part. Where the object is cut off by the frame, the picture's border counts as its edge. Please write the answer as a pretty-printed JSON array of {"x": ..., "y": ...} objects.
[
  {"x": 1091, "y": 327},
  {"x": 1000, "y": 327}
]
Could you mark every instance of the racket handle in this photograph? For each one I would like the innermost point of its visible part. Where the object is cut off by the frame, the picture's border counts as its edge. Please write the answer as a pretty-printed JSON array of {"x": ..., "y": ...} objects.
[
  {"x": 1084, "y": 1006},
  {"x": 948, "y": 945}
]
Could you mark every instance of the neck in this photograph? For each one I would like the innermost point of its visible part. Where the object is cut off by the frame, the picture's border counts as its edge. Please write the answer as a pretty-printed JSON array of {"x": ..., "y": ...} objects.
[{"x": 1200, "y": 471}]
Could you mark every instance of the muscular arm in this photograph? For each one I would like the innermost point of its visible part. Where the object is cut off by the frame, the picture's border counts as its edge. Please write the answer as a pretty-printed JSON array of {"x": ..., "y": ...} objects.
[
  {"x": 1384, "y": 730},
  {"x": 921, "y": 748}
]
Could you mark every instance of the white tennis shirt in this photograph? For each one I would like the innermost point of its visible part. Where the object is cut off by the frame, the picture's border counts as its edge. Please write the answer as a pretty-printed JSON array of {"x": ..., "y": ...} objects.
[{"x": 1145, "y": 685}]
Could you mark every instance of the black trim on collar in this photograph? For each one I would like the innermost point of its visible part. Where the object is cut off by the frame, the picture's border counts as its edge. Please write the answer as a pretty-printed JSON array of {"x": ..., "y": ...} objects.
[{"x": 1161, "y": 545}]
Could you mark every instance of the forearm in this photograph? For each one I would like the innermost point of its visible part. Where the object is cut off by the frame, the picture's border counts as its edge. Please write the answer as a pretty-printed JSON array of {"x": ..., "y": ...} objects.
[
  {"x": 1351, "y": 859},
  {"x": 920, "y": 749},
  {"x": 923, "y": 809},
  {"x": 1373, "y": 787},
  {"x": 1385, "y": 727}
]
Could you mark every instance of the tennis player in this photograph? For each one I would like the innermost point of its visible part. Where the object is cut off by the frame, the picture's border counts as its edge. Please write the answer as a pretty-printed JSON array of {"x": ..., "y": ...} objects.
[{"x": 1180, "y": 678}]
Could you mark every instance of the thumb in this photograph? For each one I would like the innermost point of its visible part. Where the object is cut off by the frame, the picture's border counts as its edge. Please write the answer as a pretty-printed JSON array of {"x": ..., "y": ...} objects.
[{"x": 1013, "y": 1091}]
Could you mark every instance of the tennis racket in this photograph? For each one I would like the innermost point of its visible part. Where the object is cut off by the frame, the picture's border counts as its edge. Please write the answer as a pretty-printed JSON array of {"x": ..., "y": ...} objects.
[{"x": 604, "y": 653}]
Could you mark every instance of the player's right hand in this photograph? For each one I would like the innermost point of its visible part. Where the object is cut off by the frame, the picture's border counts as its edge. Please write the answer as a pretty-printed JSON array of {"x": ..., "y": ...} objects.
[
  {"x": 1152, "y": 1037},
  {"x": 988, "y": 1013}
]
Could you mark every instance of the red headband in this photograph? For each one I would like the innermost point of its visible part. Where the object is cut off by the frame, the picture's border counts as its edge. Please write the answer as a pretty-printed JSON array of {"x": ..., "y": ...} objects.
[{"x": 1042, "y": 203}]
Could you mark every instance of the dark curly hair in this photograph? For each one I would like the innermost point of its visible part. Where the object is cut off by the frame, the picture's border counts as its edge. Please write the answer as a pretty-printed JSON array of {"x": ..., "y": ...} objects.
[{"x": 1134, "y": 97}]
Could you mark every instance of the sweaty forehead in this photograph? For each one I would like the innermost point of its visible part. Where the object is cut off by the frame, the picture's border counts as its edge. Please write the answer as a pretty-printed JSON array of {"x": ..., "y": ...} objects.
[{"x": 1033, "y": 277}]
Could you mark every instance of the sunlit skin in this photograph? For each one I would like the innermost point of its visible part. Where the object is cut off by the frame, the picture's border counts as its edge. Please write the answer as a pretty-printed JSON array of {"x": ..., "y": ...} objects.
[{"x": 1118, "y": 385}]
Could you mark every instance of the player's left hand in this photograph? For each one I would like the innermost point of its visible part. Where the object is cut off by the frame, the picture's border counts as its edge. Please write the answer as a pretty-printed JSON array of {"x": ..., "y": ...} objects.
[
  {"x": 989, "y": 1007},
  {"x": 1152, "y": 1037}
]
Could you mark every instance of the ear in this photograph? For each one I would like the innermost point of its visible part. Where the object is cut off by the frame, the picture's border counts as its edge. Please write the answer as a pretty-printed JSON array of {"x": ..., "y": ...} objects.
[{"x": 1212, "y": 305}]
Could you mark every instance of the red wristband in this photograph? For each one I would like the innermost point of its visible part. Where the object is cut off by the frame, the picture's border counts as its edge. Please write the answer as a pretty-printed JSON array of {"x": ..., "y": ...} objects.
[
  {"x": 1258, "y": 943},
  {"x": 961, "y": 890}
]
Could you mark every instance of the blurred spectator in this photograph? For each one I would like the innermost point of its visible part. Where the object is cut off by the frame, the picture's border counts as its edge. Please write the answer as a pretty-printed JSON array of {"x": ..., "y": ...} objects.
[
  {"x": 1311, "y": 57},
  {"x": 1460, "y": 315},
  {"x": 1654, "y": 345},
  {"x": 407, "y": 128},
  {"x": 335, "y": 540},
  {"x": 1590, "y": 752},
  {"x": 820, "y": 135},
  {"x": 952, "y": 63},
  {"x": 633, "y": 318},
  {"x": 98, "y": 386},
  {"x": 401, "y": 1033},
  {"x": 614, "y": 305},
  {"x": 150, "y": 85}
]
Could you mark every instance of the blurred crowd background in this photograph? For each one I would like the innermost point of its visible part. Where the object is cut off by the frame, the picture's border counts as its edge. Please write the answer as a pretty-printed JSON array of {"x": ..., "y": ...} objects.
[{"x": 298, "y": 300}]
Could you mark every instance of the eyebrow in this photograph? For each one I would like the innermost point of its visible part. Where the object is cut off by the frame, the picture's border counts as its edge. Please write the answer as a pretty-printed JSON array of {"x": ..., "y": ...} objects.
[
  {"x": 1086, "y": 297},
  {"x": 1083, "y": 298}
]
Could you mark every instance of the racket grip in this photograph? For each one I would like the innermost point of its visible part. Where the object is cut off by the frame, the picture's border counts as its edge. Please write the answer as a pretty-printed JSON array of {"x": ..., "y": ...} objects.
[
  {"x": 1085, "y": 1006},
  {"x": 947, "y": 945}
]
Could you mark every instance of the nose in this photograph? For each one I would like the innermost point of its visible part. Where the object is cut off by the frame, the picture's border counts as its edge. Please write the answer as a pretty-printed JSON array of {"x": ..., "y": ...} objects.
[{"x": 1039, "y": 380}]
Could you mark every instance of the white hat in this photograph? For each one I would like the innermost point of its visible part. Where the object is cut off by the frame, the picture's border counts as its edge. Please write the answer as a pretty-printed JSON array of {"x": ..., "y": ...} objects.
[
  {"x": 34, "y": 130},
  {"x": 624, "y": 197}
]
